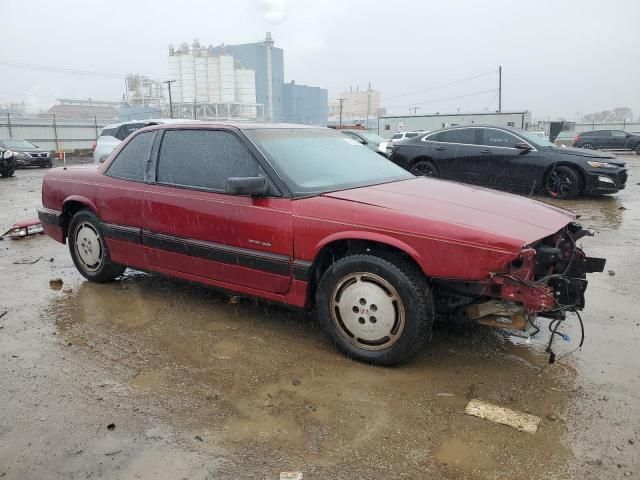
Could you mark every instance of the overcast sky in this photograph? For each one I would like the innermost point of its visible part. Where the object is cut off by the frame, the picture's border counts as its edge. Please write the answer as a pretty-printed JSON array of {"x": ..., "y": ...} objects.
[{"x": 559, "y": 58}]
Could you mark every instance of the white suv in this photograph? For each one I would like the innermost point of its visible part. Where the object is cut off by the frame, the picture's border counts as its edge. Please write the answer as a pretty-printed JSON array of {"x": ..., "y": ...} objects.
[
  {"x": 404, "y": 135},
  {"x": 112, "y": 135}
]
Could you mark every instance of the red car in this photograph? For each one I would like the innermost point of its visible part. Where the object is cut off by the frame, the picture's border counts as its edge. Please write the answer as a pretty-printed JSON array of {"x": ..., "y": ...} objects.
[{"x": 308, "y": 217}]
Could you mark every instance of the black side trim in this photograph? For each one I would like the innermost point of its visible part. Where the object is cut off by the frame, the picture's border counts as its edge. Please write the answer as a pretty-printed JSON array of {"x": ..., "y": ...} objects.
[
  {"x": 301, "y": 270},
  {"x": 120, "y": 232},
  {"x": 51, "y": 217},
  {"x": 268, "y": 262}
]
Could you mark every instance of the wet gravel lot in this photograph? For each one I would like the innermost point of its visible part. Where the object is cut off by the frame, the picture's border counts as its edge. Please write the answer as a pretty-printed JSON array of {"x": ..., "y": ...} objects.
[{"x": 150, "y": 378}]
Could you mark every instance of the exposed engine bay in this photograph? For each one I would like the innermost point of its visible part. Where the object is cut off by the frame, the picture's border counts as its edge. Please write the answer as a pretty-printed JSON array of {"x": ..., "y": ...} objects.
[{"x": 548, "y": 279}]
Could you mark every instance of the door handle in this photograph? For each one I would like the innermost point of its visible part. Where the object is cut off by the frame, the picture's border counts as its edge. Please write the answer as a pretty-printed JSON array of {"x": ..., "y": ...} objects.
[
  {"x": 441, "y": 148},
  {"x": 485, "y": 151}
]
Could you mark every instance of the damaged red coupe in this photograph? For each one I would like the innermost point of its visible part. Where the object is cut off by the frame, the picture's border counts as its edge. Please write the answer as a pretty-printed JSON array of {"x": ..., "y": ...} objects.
[{"x": 310, "y": 218}]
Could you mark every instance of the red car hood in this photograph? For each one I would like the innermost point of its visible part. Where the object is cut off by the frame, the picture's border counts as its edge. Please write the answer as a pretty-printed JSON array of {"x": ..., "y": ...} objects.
[{"x": 477, "y": 215}]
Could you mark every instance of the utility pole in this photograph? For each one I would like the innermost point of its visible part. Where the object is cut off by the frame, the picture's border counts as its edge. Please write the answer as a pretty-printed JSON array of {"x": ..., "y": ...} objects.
[
  {"x": 169, "y": 82},
  {"x": 341, "y": 100},
  {"x": 194, "y": 108},
  {"x": 500, "y": 89},
  {"x": 415, "y": 110}
]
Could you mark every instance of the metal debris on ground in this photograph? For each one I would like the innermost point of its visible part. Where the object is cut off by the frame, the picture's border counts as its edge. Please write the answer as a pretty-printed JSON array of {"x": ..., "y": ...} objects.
[
  {"x": 504, "y": 416},
  {"x": 56, "y": 283},
  {"x": 290, "y": 475}
]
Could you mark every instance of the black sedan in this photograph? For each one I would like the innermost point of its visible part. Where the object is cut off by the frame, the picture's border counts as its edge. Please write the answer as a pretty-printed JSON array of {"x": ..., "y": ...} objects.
[
  {"x": 610, "y": 139},
  {"x": 510, "y": 159},
  {"x": 27, "y": 154}
]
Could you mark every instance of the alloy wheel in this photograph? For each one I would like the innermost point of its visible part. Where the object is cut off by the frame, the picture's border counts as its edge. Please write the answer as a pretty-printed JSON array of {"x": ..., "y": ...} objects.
[
  {"x": 423, "y": 169},
  {"x": 367, "y": 311},
  {"x": 559, "y": 183},
  {"x": 88, "y": 245}
]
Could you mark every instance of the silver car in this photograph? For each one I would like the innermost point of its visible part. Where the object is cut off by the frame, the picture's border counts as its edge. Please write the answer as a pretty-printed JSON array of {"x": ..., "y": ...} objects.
[{"x": 112, "y": 135}]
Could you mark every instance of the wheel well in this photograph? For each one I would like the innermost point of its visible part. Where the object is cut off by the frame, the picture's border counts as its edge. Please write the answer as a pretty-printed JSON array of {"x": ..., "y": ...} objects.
[
  {"x": 573, "y": 166},
  {"x": 69, "y": 209},
  {"x": 422, "y": 158},
  {"x": 334, "y": 251}
]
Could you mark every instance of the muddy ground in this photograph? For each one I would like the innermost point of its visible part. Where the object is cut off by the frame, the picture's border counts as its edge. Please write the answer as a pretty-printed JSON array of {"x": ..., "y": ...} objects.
[{"x": 147, "y": 378}]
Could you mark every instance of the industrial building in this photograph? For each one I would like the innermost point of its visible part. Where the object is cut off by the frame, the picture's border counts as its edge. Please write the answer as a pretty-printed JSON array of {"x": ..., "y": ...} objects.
[
  {"x": 243, "y": 81},
  {"x": 304, "y": 104},
  {"x": 85, "y": 109},
  {"x": 210, "y": 83},
  {"x": 355, "y": 106},
  {"x": 389, "y": 125}
]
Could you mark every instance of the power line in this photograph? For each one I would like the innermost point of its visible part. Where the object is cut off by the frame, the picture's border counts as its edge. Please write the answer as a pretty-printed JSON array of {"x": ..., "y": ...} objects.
[{"x": 72, "y": 71}]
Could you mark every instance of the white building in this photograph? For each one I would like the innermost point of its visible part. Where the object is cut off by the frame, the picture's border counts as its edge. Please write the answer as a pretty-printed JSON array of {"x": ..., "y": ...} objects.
[
  {"x": 356, "y": 105},
  {"x": 211, "y": 84}
]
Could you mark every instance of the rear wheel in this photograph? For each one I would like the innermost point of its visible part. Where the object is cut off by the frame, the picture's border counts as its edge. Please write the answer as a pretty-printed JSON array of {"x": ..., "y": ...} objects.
[
  {"x": 588, "y": 146},
  {"x": 374, "y": 310},
  {"x": 424, "y": 168},
  {"x": 637, "y": 149},
  {"x": 89, "y": 250},
  {"x": 563, "y": 182}
]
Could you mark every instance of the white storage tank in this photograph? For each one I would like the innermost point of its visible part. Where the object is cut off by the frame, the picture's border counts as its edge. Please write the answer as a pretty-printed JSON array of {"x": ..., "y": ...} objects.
[
  {"x": 202, "y": 73},
  {"x": 213, "y": 78},
  {"x": 227, "y": 79},
  {"x": 188, "y": 66},
  {"x": 175, "y": 73},
  {"x": 246, "y": 90}
]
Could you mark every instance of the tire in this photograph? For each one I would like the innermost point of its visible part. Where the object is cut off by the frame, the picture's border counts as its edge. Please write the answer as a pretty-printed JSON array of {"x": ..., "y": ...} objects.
[
  {"x": 588, "y": 146},
  {"x": 8, "y": 173},
  {"x": 563, "y": 182},
  {"x": 637, "y": 148},
  {"x": 424, "y": 168},
  {"x": 89, "y": 250},
  {"x": 367, "y": 286}
]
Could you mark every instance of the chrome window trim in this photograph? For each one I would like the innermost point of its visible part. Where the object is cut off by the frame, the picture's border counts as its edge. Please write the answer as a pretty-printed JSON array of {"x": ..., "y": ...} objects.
[{"x": 424, "y": 139}]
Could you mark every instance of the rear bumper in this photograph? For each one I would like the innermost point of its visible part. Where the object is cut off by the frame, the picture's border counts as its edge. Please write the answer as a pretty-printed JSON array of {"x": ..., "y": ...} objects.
[{"x": 52, "y": 223}]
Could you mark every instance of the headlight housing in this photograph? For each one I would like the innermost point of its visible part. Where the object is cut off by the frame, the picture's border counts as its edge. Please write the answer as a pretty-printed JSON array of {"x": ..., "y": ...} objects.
[
  {"x": 7, "y": 154},
  {"x": 601, "y": 164}
]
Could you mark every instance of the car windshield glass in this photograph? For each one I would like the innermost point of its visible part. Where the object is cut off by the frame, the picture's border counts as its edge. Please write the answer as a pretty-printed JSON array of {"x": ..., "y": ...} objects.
[
  {"x": 536, "y": 139},
  {"x": 321, "y": 160},
  {"x": 372, "y": 137},
  {"x": 18, "y": 144}
]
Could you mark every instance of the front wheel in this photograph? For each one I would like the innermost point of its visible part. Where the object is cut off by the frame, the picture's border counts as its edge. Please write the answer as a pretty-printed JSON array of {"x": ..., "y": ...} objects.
[
  {"x": 588, "y": 146},
  {"x": 375, "y": 310},
  {"x": 89, "y": 249},
  {"x": 637, "y": 149},
  {"x": 7, "y": 173},
  {"x": 424, "y": 168},
  {"x": 563, "y": 182}
]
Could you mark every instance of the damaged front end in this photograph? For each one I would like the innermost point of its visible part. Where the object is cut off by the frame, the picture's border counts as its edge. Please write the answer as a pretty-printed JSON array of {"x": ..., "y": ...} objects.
[{"x": 547, "y": 279}]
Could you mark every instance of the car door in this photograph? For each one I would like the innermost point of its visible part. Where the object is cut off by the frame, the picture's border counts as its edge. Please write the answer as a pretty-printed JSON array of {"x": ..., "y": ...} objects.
[
  {"x": 515, "y": 168},
  {"x": 193, "y": 227},
  {"x": 118, "y": 200},
  {"x": 603, "y": 139},
  {"x": 618, "y": 139},
  {"x": 469, "y": 156}
]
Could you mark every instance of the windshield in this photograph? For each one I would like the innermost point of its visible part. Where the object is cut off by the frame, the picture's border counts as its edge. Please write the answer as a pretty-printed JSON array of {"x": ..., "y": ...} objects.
[
  {"x": 17, "y": 144},
  {"x": 322, "y": 160},
  {"x": 372, "y": 137},
  {"x": 536, "y": 139}
]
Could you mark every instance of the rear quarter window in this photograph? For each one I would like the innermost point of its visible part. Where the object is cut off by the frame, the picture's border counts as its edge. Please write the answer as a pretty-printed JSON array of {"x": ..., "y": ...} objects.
[
  {"x": 130, "y": 162},
  {"x": 110, "y": 132}
]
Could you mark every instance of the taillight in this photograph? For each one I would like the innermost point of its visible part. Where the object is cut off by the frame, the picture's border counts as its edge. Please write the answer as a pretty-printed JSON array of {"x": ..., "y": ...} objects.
[
  {"x": 93, "y": 146},
  {"x": 577, "y": 138}
]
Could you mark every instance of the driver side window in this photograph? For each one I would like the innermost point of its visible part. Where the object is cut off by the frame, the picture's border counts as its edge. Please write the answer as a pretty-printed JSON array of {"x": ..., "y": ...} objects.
[{"x": 203, "y": 159}]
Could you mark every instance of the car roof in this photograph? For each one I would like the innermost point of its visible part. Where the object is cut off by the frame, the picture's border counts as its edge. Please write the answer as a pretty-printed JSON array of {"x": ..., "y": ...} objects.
[
  {"x": 479, "y": 125},
  {"x": 159, "y": 121},
  {"x": 238, "y": 125}
]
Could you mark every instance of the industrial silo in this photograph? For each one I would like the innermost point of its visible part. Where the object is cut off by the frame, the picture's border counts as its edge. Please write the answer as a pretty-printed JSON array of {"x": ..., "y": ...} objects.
[
  {"x": 246, "y": 90},
  {"x": 175, "y": 73},
  {"x": 188, "y": 66},
  {"x": 213, "y": 78},
  {"x": 202, "y": 73},
  {"x": 227, "y": 79}
]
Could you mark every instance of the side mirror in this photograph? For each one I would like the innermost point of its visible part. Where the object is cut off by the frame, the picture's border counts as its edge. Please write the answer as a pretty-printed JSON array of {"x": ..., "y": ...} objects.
[
  {"x": 523, "y": 146},
  {"x": 7, "y": 154},
  {"x": 254, "y": 186}
]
